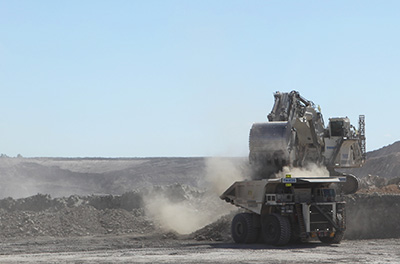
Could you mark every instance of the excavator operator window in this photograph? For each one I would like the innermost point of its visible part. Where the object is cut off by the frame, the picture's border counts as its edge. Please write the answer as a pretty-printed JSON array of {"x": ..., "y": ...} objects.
[{"x": 337, "y": 129}]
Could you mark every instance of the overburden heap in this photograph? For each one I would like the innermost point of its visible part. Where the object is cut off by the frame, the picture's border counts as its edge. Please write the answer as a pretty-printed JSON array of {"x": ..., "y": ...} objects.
[{"x": 369, "y": 216}]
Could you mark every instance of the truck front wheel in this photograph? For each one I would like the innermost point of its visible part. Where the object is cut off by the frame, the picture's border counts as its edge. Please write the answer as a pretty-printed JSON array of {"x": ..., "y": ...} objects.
[
  {"x": 276, "y": 229},
  {"x": 243, "y": 228}
]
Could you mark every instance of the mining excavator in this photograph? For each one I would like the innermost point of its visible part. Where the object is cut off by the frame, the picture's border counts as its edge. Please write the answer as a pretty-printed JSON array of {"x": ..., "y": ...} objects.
[
  {"x": 296, "y": 136},
  {"x": 293, "y": 208}
]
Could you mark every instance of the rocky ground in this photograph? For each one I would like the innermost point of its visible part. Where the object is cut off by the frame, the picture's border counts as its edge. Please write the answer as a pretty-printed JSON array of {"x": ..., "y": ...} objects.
[
  {"x": 117, "y": 229},
  {"x": 369, "y": 216},
  {"x": 133, "y": 249},
  {"x": 160, "y": 209}
]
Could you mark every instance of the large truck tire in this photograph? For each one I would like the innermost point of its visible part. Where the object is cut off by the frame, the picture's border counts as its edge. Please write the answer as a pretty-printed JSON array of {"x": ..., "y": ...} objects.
[
  {"x": 243, "y": 229},
  {"x": 276, "y": 230},
  {"x": 332, "y": 240}
]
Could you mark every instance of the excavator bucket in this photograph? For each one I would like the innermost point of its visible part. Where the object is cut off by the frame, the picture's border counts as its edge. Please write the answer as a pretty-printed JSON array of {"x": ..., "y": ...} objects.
[{"x": 269, "y": 150}]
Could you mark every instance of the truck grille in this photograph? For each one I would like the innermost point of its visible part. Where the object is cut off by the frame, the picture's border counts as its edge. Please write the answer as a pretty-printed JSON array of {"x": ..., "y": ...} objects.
[{"x": 318, "y": 221}]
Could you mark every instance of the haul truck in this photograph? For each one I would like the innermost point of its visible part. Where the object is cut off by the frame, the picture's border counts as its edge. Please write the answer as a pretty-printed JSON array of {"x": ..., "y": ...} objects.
[{"x": 287, "y": 209}]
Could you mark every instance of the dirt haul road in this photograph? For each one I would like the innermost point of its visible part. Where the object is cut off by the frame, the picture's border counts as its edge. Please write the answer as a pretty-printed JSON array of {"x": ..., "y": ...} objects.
[{"x": 131, "y": 249}]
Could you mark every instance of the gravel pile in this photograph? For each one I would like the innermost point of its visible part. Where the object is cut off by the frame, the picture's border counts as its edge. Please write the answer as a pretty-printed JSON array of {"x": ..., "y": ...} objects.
[
  {"x": 40, "y": 215},
  {"x": 220, "y": 230},
  {"x": 368, "y": 216},
  {"x": 82, "y": 220}
]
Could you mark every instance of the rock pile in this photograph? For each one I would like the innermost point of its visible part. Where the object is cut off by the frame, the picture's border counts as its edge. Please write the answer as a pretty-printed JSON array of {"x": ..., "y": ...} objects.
[
  {"x": 76, "y": 220},
  {"x": 368, "y": 216},
  {"x": 41, "y": 215},
  {"x": 220, "y": 230}
]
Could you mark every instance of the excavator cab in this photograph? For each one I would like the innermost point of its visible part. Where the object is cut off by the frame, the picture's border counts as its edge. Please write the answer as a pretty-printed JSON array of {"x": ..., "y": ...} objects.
[
  {"x": 339, "y": 127},
  {"x": 336, "y": 128}
]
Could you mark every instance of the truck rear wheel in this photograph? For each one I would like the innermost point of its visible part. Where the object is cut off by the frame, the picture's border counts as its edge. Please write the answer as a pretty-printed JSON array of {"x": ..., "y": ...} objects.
[
  {"x": 243, "y": 229},
  {"x": 332, "y": 240},
  {"x": 276, "y": 229}
]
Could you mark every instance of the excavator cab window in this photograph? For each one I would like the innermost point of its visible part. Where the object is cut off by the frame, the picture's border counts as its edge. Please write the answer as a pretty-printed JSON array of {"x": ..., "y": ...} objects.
[{"x": 337, "y": 128}]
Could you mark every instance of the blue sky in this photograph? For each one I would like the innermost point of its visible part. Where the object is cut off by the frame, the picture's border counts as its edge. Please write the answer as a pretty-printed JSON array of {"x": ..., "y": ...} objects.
[{"x": 188, "y": 78}]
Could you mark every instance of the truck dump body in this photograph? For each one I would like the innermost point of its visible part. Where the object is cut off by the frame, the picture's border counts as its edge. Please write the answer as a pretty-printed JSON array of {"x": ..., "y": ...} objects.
[{"x": 308, "y": 207}]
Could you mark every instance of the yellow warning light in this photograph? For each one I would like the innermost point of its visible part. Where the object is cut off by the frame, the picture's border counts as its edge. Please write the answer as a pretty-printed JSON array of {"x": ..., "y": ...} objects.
[{"x": 288, "y": 184}]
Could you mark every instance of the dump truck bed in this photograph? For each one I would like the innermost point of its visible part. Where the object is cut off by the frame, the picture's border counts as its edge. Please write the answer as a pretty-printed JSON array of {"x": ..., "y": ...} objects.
[{"x": 251, "y": 195}]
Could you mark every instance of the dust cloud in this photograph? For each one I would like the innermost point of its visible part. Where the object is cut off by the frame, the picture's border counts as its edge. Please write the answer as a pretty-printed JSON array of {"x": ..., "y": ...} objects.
[
  {"x": 310, "y": 170},
  {"x": 181, "y": 217},
  {"x": 187, "y": 215},
  {"x": 222, "y": 173}
]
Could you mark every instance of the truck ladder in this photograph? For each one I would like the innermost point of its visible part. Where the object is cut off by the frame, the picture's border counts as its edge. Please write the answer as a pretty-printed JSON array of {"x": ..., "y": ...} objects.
[{"x": 300, "y": 218}]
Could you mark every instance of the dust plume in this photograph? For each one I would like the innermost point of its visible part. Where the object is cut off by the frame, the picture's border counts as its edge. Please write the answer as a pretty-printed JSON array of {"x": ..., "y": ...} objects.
[
  {"x": 185, "y": 215},
  {"x": 181, "y": 217},
  {"x": 184, "y": 210},
  {"x": 223, "y": 172},
  {"x": 311, "y": 170}
]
